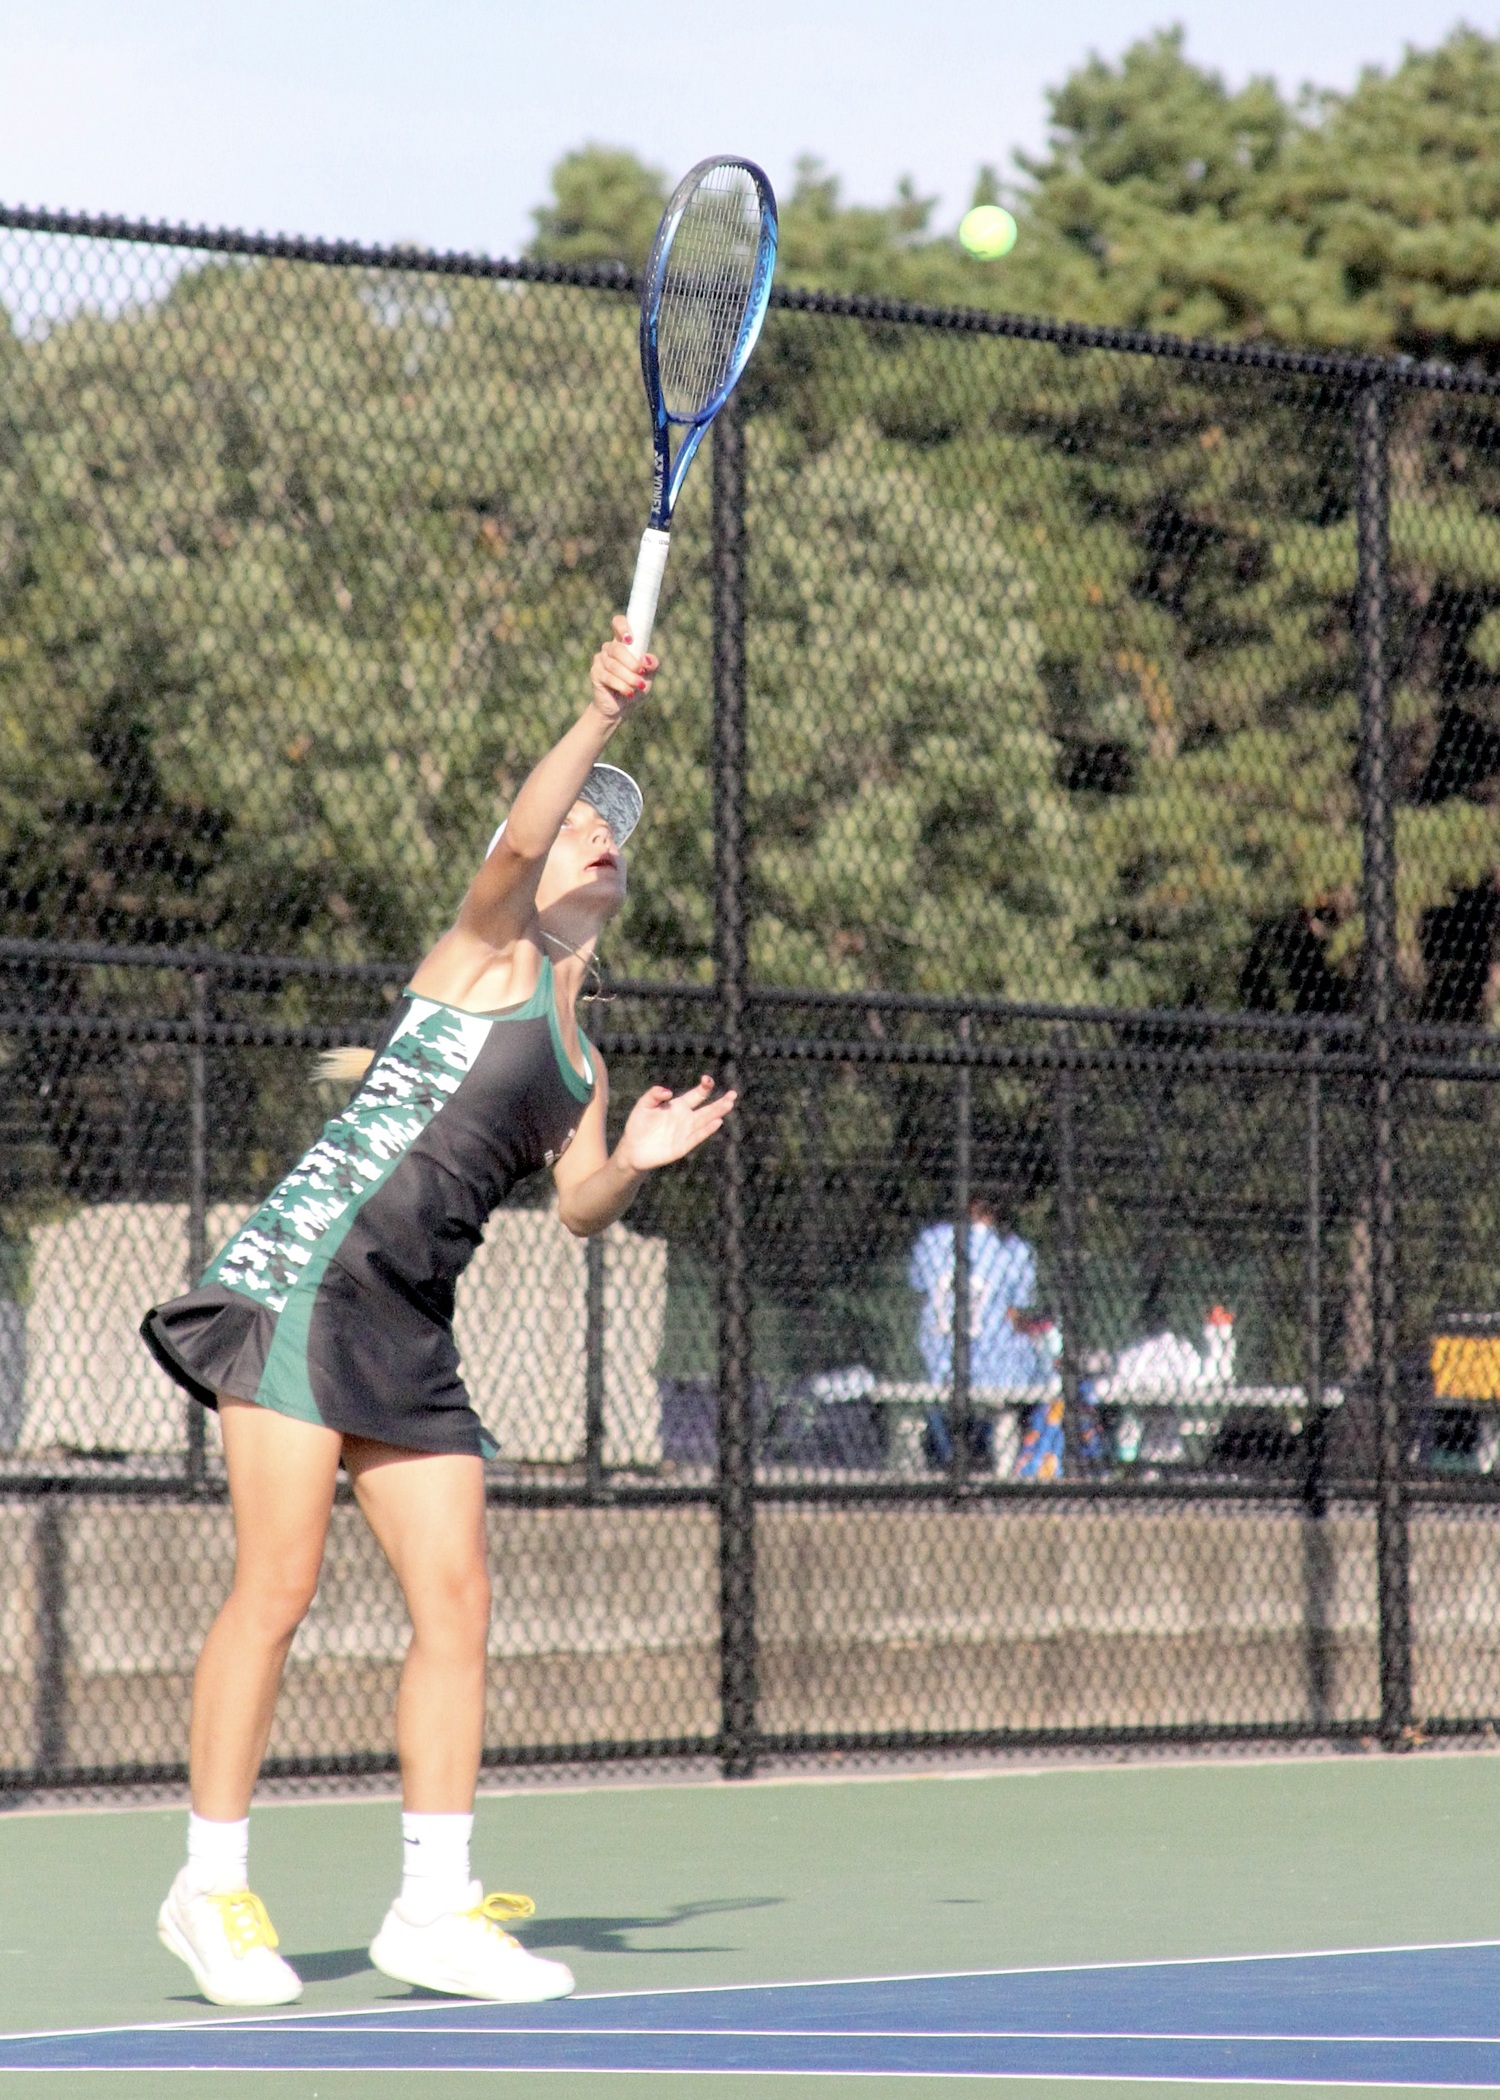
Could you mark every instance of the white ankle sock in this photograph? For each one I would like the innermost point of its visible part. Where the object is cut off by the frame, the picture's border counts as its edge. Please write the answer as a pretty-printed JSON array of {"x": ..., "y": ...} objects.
[
  {"x": 218, "y": 1854},
  {"x": 434, "y": 1864}
]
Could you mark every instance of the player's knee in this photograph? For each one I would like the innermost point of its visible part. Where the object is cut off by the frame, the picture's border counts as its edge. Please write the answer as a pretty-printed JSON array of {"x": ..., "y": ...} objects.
[
  {"x": 471, "y": 1601},
  {"x": 454, "y": 1608},
  {"x": 275, "y": 1604}
]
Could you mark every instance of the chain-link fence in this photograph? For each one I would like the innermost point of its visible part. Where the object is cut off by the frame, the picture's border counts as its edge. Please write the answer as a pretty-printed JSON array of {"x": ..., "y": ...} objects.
[{"x": 1072, "y": 819}]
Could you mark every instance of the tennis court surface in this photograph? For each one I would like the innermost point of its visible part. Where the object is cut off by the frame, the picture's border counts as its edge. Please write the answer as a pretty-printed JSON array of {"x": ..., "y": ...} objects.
[{"x": 1297, "y": 1924}]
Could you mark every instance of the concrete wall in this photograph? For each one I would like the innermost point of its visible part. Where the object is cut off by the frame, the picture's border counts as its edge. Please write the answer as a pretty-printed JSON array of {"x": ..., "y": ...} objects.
[
  {"x": 91, "y": 1386},
  {"x": 520, "y": 1326},
  {"x": 602, "y": 1619},
  {"x": 918, "y": 1618},
  {"x": 605, "y": 1623}
]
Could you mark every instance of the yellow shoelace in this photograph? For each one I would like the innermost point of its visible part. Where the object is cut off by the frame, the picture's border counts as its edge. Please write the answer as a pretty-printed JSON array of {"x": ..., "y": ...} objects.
[
  {"x": 246, "y": 1924},
  {"x": 495, "y": 1910}
]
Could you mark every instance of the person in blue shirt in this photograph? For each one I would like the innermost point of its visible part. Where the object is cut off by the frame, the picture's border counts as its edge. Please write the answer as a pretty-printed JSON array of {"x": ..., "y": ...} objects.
[{"x": 1002, "y": 1281}]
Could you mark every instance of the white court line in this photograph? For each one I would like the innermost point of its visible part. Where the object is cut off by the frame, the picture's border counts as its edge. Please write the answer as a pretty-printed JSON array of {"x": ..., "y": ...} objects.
[
  {"x": 403, "y": 2015},
  {"x": 1196, "y": 2080},
  {"x": 921, "y": 2034},
  {"x": 838, "y": 1983},
  {"x": 1327, "y": 2076},
  {"x": 1082, "y": 1968}
]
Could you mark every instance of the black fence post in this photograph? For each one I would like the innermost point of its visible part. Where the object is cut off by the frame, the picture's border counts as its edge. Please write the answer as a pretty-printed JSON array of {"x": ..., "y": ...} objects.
[
  {"x": 593, "y": 1366},
  {"x": 737, "y": 1643},
  {"x": 197, "y": 1222},
  {"x": 1379, "y": 1002},
  {"x": 51, "y": 1641},
  {"x": 814, "y": 1225},
  {"x": 1315, "y": 1419},
  {"x": 1317, "y": 1551},
  {"x": 960, "y": 1409},
  {"x": 1313, "y": 1223},
  {"x": 1070, "y": 1309}
]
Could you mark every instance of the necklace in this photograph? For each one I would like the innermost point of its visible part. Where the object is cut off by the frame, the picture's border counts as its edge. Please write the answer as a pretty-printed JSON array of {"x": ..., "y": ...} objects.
[
  {"x": 590, "y": 962},
  {"x": 546, "y": 936}
]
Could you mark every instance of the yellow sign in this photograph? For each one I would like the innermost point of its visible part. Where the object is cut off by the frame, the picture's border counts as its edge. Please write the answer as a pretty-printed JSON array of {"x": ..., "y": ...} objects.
[{"x": 1466, "y": 1367}]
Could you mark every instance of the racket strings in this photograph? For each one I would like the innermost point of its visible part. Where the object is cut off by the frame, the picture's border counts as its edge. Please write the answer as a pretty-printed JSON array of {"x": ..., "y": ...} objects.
[{"x": 706, "y": 292}]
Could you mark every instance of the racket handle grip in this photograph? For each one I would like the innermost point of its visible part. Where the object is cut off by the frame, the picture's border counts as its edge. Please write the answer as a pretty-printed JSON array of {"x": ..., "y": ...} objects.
[{"x": 650, "y": 567}]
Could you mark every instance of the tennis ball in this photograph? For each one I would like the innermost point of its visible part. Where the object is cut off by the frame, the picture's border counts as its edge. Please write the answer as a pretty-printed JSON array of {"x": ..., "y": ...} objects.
[{"x": 988, "y": 231}]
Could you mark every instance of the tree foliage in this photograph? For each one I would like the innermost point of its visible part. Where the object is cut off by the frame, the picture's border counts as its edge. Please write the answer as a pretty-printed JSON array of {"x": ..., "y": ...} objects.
[
  {"x": 1390, "y": 201},
  {"x": 1363, "y": 220},
  {"x": 604, "y": 207},
  {"x": 910, "y": 828},
  {"x": 1053, "y": 687}
]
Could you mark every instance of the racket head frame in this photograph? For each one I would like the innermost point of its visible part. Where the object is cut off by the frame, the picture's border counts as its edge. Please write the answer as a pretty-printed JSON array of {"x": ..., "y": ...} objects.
[{"x": 667, "y": 473}]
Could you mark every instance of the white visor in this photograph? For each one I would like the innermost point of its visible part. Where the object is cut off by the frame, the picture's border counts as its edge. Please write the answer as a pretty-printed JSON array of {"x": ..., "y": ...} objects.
[{"x": 611, "y": 791}]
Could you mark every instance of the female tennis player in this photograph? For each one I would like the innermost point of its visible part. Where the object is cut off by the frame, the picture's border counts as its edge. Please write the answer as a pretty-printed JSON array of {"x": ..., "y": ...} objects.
[{"x": 323, "y": 1334}]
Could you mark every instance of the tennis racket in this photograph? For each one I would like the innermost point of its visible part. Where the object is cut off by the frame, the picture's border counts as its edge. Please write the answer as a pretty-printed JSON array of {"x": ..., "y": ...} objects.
[{"x": 708, "y": 283}]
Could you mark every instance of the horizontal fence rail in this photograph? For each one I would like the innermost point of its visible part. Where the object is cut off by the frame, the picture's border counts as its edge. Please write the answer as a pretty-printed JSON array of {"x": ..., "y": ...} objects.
[
  {"x": 1071, "y": 823},
  {"x": 855, "y": 306}
]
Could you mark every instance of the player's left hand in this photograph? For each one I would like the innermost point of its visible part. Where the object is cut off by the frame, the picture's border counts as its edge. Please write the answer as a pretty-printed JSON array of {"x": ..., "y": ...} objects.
[{"x": 664, "y": 1126}]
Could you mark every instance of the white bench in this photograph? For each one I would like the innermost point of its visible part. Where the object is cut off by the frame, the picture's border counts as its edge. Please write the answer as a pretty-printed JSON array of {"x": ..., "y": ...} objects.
[{"x": 1159, "y": 1426}]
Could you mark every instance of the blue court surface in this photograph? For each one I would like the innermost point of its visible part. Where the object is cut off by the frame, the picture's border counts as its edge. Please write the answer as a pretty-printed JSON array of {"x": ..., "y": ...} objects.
[{"x": 1422, "y": 2016}]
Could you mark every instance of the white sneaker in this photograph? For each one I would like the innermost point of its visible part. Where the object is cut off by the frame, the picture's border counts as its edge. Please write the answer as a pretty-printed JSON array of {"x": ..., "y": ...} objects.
[
  {"x": 229, "y": 1944},
  {"x": 468, "y": 1954}
]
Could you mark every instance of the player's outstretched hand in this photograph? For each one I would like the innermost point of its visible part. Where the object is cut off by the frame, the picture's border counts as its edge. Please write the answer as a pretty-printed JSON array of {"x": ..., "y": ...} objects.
[
  {"x": 620, "y": 676},
  {"x": 664, "y": 1126}
]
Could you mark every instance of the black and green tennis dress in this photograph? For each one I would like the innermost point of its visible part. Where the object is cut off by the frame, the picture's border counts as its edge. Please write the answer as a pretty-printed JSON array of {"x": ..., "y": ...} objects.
[{"x": 334, "y": 1302}]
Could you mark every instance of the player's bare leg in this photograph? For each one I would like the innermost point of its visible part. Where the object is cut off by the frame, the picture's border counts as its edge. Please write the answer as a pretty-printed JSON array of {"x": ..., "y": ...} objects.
[
  {"x": 281, "y": 1479},
  {"x": 442, "y": 1932},
  {"x": 427, "y": 1510},
  {"x": 281, "y": 1482}
]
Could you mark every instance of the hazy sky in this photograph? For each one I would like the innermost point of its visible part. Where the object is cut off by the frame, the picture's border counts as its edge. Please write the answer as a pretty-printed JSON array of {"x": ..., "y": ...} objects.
[{"x": 438, "y": 120}]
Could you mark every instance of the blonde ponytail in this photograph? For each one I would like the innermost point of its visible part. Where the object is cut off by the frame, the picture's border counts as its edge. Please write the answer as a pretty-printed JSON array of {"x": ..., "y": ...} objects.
[{"x": 345, "y": 1066}]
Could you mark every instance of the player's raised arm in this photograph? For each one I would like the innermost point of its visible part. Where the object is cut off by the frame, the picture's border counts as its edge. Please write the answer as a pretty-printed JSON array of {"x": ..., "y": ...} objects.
[{"x": 502, "y": 897}]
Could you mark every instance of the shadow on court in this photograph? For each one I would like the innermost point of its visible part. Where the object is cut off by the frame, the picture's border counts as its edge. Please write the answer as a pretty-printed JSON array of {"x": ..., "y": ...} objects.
[
  {"x": 332, "y": 1966},
  {"x": 608, "y": 1935}
]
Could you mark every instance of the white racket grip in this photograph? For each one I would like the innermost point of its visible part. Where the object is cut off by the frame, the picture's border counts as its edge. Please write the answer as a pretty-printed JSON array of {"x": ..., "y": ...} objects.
[{"x": 650, "y": 567}]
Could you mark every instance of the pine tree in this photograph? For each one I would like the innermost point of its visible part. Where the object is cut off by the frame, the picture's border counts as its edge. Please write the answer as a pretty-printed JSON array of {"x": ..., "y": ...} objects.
[
  {"x": 604, "y": 207},
  {"x": 1142, "y": 213},
  {"x": 1390, "y": 202}
]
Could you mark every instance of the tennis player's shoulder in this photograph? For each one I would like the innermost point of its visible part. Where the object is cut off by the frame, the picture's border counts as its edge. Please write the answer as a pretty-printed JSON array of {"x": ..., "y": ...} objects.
[{"x": 463, "y": 969}]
